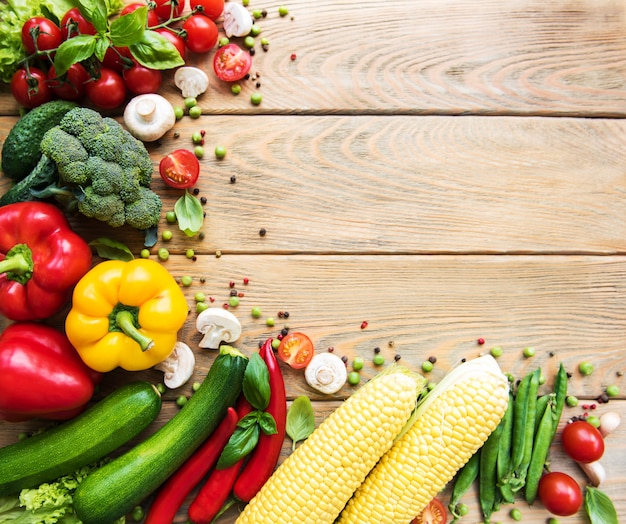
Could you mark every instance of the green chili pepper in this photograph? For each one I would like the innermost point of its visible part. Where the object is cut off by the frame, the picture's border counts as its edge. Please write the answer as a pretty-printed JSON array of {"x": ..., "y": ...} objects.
[
  {"x": 541, "y": 448},
  {"x": 464, "y": 480},
  {"x": 488, "y": 474},
  {"x": 504, "y": 452}
]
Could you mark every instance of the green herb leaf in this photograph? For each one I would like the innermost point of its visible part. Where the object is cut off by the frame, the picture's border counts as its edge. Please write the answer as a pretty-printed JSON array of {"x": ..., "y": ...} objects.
[
  {"x": 155, "y": 51},
  {"x": 72, "y": 51},
  {"x": 102, "y": 45},
  {"x": 240, "y": 444},
  {"x": 599, "y": 507},
  {"x": 96, "y": 11},
  {"x": 300, "y": 419},
  {"x": 267, "y": 423},
  {"x": 189, "y": 214},
  {"x": 256, "y": 382},
  {"x": 129, "y": 29},
  {"x": 112, "y": 249},
  {"x": 249, "y": 420}
]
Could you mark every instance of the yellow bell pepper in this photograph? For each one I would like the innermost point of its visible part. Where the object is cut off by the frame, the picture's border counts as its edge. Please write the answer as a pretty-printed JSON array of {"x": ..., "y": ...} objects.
[{"x": 126, "y": 314}]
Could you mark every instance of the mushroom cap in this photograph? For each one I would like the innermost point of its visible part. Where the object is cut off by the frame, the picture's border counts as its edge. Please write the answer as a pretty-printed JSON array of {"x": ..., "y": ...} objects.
[
  {"x": 148, "y": 117},
  {"x": 217, "y": 325},
  {"x": 191, "y": 81},
  {"x": 237, "y": 20},
  {"x": 326, "y": 372},
  {"x": 178, "y": 366}
]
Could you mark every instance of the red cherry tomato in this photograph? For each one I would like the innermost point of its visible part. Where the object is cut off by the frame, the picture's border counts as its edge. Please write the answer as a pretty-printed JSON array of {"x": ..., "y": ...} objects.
[
  {"x": 582, "y": 442},
  {"x": 211, "y": 8},
  {"x": 201, "y": 33},
  {"x": 30, "y": 88},
  {"x": 43, "y": 31},
  {"x": 178, "y": 42},
  {"x": 180, "y": 169},
  {"x": 560, "y": 494},
  {"x": 153, "y": 18},
  {"x": 72, "y": 85},
  {"x": 141, "y": 80},
  {"x": 165, "y": 8},
  {"x": 296, "y": 349},
  {"x": 231, "y": 63},
  {"x": 74, "y": 23},
  {"x": 117, "y": 58},
  {"x": 434, "y": 513},
  {"x": 108, "y": 91}
]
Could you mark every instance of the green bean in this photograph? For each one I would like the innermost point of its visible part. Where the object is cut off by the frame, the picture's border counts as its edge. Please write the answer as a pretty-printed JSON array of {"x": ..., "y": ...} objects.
[
  {"x": 529, "y": 429},
  {"x": 541, "y": 448},
  {"x": 464, "y": 479},
  {"x": 488, "y": 474},
  {"x": 504, "y": 451}
]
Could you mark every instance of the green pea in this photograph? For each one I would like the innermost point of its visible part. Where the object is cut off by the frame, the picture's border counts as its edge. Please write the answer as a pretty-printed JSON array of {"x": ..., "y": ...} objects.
[
  {"x": 190, "y": 253},
  {"x": 256, "y": 98},
  {"x": 181, "y": 400},
  {"x": 190, "y": 102},
  {"x": 145, "y": 253},
  {"x": 462, "y": 509},
  {"x": 220, "y": 152},
  {"x": 496, "y": 351},
  {"x": 516, "y": 514},
  {"x": 167, "y": 235},
  {"x": 256, "y": 14},
  {"x": 354, "y": 378},
  {"x": 186, "y": 281},
  {"x": 245, "y": 3},
  {"x": 275, "y": 344},
  {"x": 612, "y": 391},
  {"x": 179, "y": 112},
  {"x": 283, "y": 10},
  {"x": 553, "y": 521},
  {"x": 585, "y": 368},
  {"x": 137, "y": 514},
  {"x": 201, "y": 306},
  {"x": 256, "y": 312},
  {"x": 163, "y": 254},
  {"x": 199, "y": 297},
  {"x": 379, "y": 359},
  {"x": 196, "y": 137},
  {"x": 427, "y": 366},
  {"x": 357, "y": 364},
  {"x": 529, "y": 352},
  {"x": 196, "y": 386},
  {"x": 198, "y": 151},
  {"x": 161, "y": 388},
  {"x": 269, "y": 321},
  {"x": 195, "y": 112},
  {"x": 571, "y": 401},
  {"x": 233, "y": 301},
  {"x": 249, "y": 42},
  {"x": 170, "y": 217},
  {"x": 265, "y": 41},
  {"x": 235, "y": 89},
  {"x": 223, "y": 41},
  {"x": 593, "y": 420},
  {"x": 255, "y": 30}
]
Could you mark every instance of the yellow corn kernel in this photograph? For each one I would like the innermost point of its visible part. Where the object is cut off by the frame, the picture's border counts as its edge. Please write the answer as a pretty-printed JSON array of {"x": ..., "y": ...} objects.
[
  {"x": 448, "y": 427},
  {"x": 314, "y": 483}
]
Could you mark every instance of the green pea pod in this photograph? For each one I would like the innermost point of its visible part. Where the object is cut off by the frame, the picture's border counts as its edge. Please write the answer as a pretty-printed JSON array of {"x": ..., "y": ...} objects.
[
  {"x": 541, "y": 449},
  {"x": 504, "y": 452},
  {"x": 519, "y": 424},
  {"x": 488, "y": 474},
  {"x": 464, "y": 480},
  {"x": 560, "y": 391},
  {"x": 529, "y": 429},
  {"x": 542, "y": 404}
]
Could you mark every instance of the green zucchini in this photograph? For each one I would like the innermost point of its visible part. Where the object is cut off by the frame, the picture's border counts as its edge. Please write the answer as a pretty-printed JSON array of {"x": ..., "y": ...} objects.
[
  {"x": 115, "y": 489},
  {"x": 88, "y": 437},
  {"x": 21, "y": 151}
]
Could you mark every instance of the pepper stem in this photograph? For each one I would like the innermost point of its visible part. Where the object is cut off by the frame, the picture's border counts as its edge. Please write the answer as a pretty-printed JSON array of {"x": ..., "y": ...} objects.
[
  {"x": 124, "y": 321},
  {"x": 18, "y": 264}
]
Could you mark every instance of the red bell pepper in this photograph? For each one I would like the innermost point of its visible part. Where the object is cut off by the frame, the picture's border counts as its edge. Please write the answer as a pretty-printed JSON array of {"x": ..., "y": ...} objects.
[
  {"x": 42, "y": 375},
  {"x": 41, "y": 260}
]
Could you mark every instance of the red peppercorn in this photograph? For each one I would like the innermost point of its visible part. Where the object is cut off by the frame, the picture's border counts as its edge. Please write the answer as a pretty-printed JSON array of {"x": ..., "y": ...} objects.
[
  {"x": 246, "y": 281},
  {"x": 211, "y": 299},
  {"x": 231, "y": 284},
  {"x": 240, "y": 294},
  {"x": 364, "y": 324},
  {"x": 225, "y": 305},
  {"x": 293, "y": 56},
  {"x": 481, "y": 341}
]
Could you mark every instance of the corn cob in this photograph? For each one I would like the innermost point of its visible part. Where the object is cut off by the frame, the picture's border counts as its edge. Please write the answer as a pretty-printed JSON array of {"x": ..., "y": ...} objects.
[
  {"x": 448, "y": 427},
  {"x": 314, "y": 483}
]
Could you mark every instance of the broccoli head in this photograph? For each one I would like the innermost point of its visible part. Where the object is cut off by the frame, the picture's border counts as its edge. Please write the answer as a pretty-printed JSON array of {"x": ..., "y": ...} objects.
[{"x": 111, "y": 167}]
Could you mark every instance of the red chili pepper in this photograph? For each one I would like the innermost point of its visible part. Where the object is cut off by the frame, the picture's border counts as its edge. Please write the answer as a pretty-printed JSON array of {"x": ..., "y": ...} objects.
[
  {"x": 41, "y": 260},
  {"x": 211, "y": 500},
  {"x": 42, "y": 374},
  {"x": 172, "y": 494},
  {"x": 264, "y": 458}
]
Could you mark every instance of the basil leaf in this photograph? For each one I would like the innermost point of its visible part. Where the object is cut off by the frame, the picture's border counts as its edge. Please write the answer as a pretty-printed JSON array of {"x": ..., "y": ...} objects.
[
  {"x": 300, "y": 420},
  {"x": 240, "y": 444},
  {"x": 102, "y": 45},
  {"x": 256, "y": 382},
  {"x": 155, "y": 51},
  {"x": 72, "y": 51},
  {"x": 267, "y": 423},
  {"x": 151, "y": 236},
  {"x": 189, "y": 214},
  {"x": 129, "y": 29},
  {"x": 112, "y": 249},
  {"x": 599, "y": 507},
  {"x": 249, "y": 420},
  {"x": 96, "y": 12}
]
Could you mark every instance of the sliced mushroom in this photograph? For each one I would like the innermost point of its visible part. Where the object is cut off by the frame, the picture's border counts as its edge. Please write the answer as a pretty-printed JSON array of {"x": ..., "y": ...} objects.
[
  {"x": 148, "y": 117},
  {"x": 237, "y": 20},
  {"x": 326, "y": 372},
  {"x": 178, "y": 367},
  {"x": 217, "y": 325},
  {"x": 191, "y": 81}
]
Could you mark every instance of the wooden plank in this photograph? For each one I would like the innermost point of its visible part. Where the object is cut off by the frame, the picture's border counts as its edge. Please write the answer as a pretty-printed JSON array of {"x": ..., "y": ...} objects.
[
  {"x": 409, "y": 184},
  {"x": 488, "y": 57}
]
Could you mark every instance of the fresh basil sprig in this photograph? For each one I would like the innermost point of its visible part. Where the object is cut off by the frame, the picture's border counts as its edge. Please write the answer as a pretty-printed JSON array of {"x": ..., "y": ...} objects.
[
  {"x": 256, "y": 385},
  {"x": 189, "y": 214},
  {"x": 599, "y": 507},
  {"x": 112, "y": 249},
  {"x": 300, "y": 420}
]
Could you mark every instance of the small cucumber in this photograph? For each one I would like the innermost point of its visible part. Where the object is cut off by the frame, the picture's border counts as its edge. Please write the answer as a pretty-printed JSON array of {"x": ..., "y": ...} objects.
[
  {"x": 115, "y": 489},
  {"x": 89, "y": 437},
  {"x": 44, "y": 174},
  {"x": 21, "y": 151}
]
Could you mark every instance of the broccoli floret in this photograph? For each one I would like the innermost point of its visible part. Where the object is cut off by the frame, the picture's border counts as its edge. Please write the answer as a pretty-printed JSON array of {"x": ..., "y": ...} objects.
[
  {"x": 83, "y": 123},
  {"x": 62, "y": 147},
  {"x": 144, "y": 212},
  {"x": 107, "y": 208}
]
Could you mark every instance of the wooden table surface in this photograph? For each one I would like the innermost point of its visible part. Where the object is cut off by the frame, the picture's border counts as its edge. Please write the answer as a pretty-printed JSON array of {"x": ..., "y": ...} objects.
[{"x": 444, "y": 170}]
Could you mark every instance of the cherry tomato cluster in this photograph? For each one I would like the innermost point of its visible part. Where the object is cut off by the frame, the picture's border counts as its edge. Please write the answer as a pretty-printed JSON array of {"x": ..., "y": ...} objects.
[{"x": 107, "y": 83}]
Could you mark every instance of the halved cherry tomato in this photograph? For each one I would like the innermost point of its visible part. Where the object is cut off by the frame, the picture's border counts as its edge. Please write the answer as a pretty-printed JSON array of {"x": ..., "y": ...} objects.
[
  {"x": 582, "y": 442},
  {"x": 180, "y": 169},
  {"x": 153, "y": 18},
  {"x": 74, "y": 23},
  {"x": 560, "y": 494},
  {"x": 43, "y": 31},
  {"x": 231, "y": 63},
  {"x": 434, "y": 513},
  {"x": 296, "y": 349}
]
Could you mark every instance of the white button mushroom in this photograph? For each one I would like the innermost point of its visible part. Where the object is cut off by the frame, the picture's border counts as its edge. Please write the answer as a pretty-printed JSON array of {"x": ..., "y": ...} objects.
[
  {"x": 217, "y": 325},
  {"x": 326, "y": 372},
  {"x": 237, "y": 20},
  {"x": 191, "y": 81},
  {"x": 178, "y": 367},
  {"x": 148, "y": 117}
]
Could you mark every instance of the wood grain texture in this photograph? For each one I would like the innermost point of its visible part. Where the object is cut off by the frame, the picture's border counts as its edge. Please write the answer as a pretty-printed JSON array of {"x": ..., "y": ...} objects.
[{"x": 526, "y": 57}]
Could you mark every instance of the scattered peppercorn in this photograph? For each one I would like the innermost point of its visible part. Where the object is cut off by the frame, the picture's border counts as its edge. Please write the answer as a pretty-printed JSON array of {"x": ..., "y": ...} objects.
[
  {"x": 432, "y": 359},
  {"x": 262, "y": 232},
  {"x": 344, "y": 359},
  {"x": 286, "y": 314},
  {"x": 480, "y": 341},
  {"x": 233, "y": 179},
  {"x": 293, "y": 56},
  {"x": 364, "y": 324},
  {"x": 397, "y": 357}
]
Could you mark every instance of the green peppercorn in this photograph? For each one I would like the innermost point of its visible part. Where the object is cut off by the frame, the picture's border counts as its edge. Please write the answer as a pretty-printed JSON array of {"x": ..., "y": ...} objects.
[
  {"x": 170, "y": 216},
  {"x": 190, "y": 253},
  {"x": 186, "y": 281},
  {"x": 163, "y": 254},
  {"x": 427, "y": 366},
  {"x": 571, "y": 401},
  {"x": 256, "y": 98},
  {"x": 612, "y": 391},
  {"x": 529, "y": 352},
  {"x": 357, "y": 364},
  {"x": 201, "y": 306},
  {"x": 190, "y": 102},
  {"x": 199, "y": 297},
  {"x": 585, "y": 368},
  {"x": 496, "y": 351},
  {"x": 179, "y": 112},
  {"x": 145, "y": 253},
  {"x": 269, "y": 321},
  {"x": 249, "y": 42},
  {"x": 220, "y": 152},
  {"x": 594, "y": 421},
  {"x": 233, "y": 301},
  {"x": 283, "y": 11},
  {"x": 235, "y": 89},
  {"x": 195, "y": 112},
  {"x": 181, "y": 400},
  {"x": 379, "y": 359},
  {"x": 354, "y": 378},
  {"x": 256, "y": 312},
  {"x": 167, "y": 235}
]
